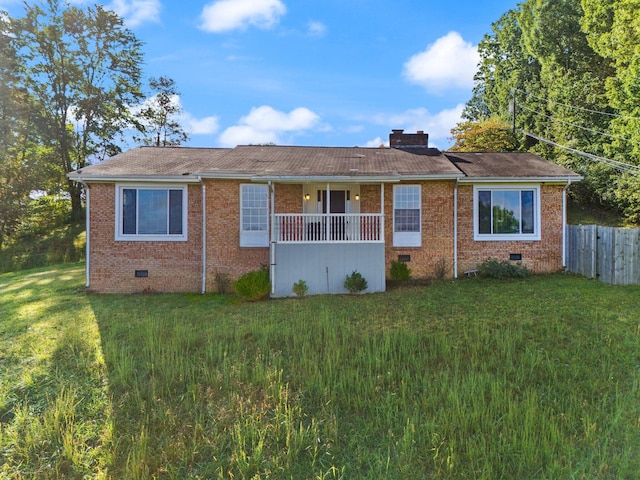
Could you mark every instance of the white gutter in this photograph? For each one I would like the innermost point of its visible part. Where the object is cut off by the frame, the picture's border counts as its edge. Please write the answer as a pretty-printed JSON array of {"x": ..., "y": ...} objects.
[
  {"x": 518, "y": 179},
  {"x": 134, "y": 178},
  {"x": 87, "y": 253},
  {"x": 455, "y": 230},
  {"x": 204, "y": 237},
  {"x": 564, "y": 223},
  {"x": 345, "y": 178}
]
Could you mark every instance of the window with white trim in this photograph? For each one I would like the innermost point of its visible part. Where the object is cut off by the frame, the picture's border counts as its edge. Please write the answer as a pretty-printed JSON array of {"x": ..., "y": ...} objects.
[
  {"x": 506, "y": 213},
  {"x": 151, "y": 213},
  {"x": 254, "y": 215},
  {"x": 407, "y": 215}
]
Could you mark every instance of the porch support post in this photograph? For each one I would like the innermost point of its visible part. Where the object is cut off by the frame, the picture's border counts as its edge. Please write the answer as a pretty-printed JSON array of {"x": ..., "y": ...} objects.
[
  {"x": 382, "y": 212},
  {"x": 328, "y": 198}
]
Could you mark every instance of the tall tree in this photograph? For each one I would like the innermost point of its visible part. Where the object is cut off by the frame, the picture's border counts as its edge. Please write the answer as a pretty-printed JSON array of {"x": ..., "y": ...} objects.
[
  {"x": 541, "y": 52},
  {"x": 83, "y": 67},
  {"x": 21, "y": 151},
  {"x": 613, "y": 30},
  {"x": 159, "y": 116}
]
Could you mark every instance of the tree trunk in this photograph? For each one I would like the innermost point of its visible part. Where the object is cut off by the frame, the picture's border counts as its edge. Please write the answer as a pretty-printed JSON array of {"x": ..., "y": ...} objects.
[{"x": 77, "y": 212}]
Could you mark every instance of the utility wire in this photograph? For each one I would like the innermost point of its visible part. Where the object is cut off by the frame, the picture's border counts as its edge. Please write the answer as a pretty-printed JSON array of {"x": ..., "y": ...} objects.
[
  {"x": 550, "y": 117},
  {"x": 623, "y": 167},
  {"x": 616, "y": 115}
]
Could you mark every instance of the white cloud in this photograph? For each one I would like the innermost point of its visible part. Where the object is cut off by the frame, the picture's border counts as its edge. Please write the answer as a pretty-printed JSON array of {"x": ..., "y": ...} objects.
[
  {"x": 267, "y": 125},
  {"x": 437, "y": 125},
  {"x": 227, "y": 15},
  {"x": 316, "y": 29},
  {"x": 199, "y": 126},
  {"x": 136, "y": 12},
  {"x": 376, "y": 142},
  {"x": 450, "y": 62}
]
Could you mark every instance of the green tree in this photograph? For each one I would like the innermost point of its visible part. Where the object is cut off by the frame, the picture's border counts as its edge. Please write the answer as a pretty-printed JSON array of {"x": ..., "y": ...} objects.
[
  {"x": 83, "y": 68},
  {"x": 542, "y": 56},
  {"x": 491, "y": 135},
  {"x": 613, "y": 30},
  {"x": 159, "y": 116},
  {"x": 21, "y": 155}
]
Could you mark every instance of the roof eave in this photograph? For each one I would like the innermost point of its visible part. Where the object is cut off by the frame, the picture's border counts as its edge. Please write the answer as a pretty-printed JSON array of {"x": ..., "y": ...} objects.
[
  {"x": 554, "y": 179},
  {"x": 350, "y": 178},
  {"x": 134, "y": 178}
]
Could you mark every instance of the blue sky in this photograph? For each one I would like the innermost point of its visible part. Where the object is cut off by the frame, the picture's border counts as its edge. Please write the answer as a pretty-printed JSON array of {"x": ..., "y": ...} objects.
[{"x": 312, "y": 72}]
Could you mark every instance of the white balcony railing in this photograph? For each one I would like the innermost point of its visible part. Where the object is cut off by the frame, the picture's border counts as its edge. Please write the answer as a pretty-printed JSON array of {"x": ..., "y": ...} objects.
[{"x": 334, "y": 227}]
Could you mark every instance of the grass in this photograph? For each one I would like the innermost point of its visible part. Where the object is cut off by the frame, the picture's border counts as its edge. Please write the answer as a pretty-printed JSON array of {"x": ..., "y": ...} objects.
[{"x": 476, "y": 378}]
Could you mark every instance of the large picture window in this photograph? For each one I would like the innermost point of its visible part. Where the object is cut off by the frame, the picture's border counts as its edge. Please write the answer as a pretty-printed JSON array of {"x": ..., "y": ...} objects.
[
  {"x": 151, "y": 213},
  {"x": 254, "y": 215},
  {"x": 506, "y": 213},
  {"x": 407, "y": 215}
]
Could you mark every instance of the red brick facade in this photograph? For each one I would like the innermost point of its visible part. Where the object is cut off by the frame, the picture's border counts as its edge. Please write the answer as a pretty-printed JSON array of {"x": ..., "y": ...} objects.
[
  {"x": 177, "y": 266},
  {"x": 541, "y": 256},
  {"x": 171, "y": 266}
]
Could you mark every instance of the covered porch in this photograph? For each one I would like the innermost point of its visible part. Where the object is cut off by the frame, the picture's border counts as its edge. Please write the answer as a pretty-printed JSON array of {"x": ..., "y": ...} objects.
[{"x": 335, "y": 234}]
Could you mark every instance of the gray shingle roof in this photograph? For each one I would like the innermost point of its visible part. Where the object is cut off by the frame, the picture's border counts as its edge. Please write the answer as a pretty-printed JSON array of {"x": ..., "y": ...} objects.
[
  {"x": 509, "y": 164},
  {"x": 302, "y": 162}
]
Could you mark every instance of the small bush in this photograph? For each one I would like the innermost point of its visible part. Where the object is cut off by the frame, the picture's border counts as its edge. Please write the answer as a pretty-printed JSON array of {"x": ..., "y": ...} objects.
[
  {"x": 502, "y": 269},
  {"x": 223, "y": 283},
  {"x": 400, "y": 271},
  {"x": 253, "y": 286},
  {"x": 355, "y": 282},
  {"x": 300, "y": 288},
  {"x": 442, "y": 268}
]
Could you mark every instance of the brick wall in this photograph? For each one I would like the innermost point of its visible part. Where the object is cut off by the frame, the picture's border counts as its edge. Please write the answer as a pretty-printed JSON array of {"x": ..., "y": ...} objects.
[
  {"x": 437, "y": 230},
  {"x": 540, "y": 256},
  {"x": 224, "y": 254},
  {"x": 172, "y": 266},
  {"x": 177, "y": 266}
]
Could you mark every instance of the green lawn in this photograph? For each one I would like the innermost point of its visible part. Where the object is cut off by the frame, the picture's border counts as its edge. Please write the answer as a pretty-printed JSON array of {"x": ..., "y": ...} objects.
[{"x": 537, "y": 378}]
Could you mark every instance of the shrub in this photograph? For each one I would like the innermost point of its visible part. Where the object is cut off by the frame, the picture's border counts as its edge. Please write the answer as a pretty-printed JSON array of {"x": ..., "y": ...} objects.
[
  {"x": 355, "y": 282},
  {"x": 222, "y": 282},
  {"x": 300, "y": 288},
  {"x": 400, "y": 271},
  {"x": 253, "y": 286},
  {"x": 442, "y": 268},
  {"x": 503, "y": 269}
]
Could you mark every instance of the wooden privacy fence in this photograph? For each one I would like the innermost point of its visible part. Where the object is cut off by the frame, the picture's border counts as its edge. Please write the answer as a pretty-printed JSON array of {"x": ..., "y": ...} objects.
[{"x": 609, "y": 254}]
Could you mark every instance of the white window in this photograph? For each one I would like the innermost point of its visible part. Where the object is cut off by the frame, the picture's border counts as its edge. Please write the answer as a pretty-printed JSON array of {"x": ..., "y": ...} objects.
[
  {"x": 407, "y": 215},
  {"x": 506, "y": 213},
  {"x": 254, "y": 215},
  {"x": 151, "y": 213}
]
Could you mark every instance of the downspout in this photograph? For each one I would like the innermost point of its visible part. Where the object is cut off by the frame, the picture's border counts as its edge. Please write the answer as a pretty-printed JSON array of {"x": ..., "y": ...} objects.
[
  {"x": 272, "y": 248},
  {"x": 87, "y": 227},
  {"x": 564, "y": 223},
  {"x": 455, "y": 229},
  {"x": 204, "y": 236}
]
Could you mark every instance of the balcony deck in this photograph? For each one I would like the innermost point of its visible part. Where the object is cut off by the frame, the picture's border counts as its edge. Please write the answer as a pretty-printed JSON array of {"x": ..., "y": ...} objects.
[{"x": 328, "y": 228}]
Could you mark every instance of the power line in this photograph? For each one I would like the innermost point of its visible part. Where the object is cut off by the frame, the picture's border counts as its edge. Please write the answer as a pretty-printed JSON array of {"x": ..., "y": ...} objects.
[
  {"x": 550, "y": 117},
  {"x": 623, "y": 167},
  {"x": 616, "y": 115}
]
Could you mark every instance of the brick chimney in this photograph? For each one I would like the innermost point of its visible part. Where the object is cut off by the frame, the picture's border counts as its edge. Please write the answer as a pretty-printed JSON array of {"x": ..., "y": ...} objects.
[{"x": 399, "y": 139}]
